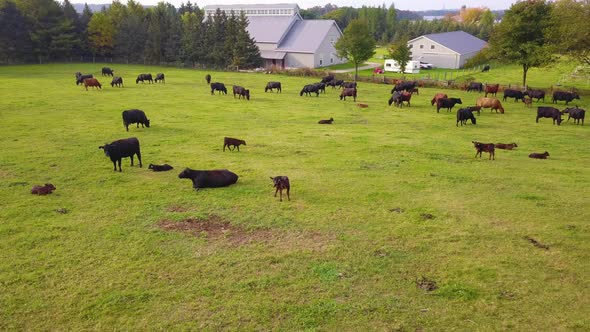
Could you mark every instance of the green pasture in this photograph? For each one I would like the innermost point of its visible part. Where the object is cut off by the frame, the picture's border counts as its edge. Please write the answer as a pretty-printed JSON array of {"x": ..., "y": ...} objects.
[{"x": 392, "y": 224}]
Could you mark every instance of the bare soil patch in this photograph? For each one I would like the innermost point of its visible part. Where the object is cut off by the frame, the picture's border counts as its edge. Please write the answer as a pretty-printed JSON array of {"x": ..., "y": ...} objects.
[
  {"x": 536, "y": 243},
  {"x": 177, "y": 208},
  {"x": 426, "y": 284},
  {"x": 427, "y": 216}
]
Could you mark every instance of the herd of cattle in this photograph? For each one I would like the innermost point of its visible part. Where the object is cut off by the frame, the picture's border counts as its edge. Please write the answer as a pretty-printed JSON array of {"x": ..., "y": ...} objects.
[{"x": 401, "y": 93}]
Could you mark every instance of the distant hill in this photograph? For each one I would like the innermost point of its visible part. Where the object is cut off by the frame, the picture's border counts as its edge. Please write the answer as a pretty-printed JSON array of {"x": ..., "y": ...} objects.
[{"x": 94, "y": 8}]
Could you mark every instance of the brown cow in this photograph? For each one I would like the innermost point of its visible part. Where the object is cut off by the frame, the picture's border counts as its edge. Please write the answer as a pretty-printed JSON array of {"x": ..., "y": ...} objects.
[
  {"x": 505, "y": 146},
  {"x": 484, "y": 147},
  {"x": 492, "y": 89},
  {"x": 528, "y": 102},
  {"x": 48, "y": 188},
  {"x": 491, "y": 103},
  {"x": 92, "y": 82},
  {"x": 437, "y": 97}
]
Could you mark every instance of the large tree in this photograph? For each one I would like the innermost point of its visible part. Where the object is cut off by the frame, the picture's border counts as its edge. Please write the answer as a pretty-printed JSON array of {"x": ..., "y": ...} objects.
[
  {"x": 15, "y": 43},
  {"x": 356, "y": 44},
  {"x": 522, "y": 36},
  {"x": 571, "y": 31},
  {"x": 101, "y": 34},
  {"x": 400, "y": 52}
]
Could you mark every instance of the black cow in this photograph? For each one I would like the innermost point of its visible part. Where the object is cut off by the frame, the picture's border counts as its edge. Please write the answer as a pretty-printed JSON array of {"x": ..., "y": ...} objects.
[
  {"x": 118, "y": 81},
  {"x": 122, "y": 148},
  {"x": 404, "y": 86},
  {"x": 477, "y": 86},
  {"x": 208, "y": 78},
  {"x": 273, "y": 85},
  {"x": 80, "y": 78},
  {"x": 241, "y": 92},
  {"x": 281, "y": 182},
  {"x": 447, "y": 103},
  {"x": 539, "y": 94},
  {"x": 335, "y": 83},
  {"x": 328, "y": 78},
  {"x": 160, "y": 168},
  {"x": 576, "y": 113},
  {"x": 549, "y": 112},
  {"x": 308, "y": 89},
  {"x": 329, "y": 121},
  {"x": 511, "y": 93},
  {"x": 463, "y": 115},
  {"x": 135, "y": 116},
  {"x": 563, "y": 95},
  {"x": 536, "y": 155},
  {"x": 485, "y": 147},
  {"x": 218, "y": 87},
  {"x": 229, "y": 142},
  {"x": 160, "y": 77},
  {"x": 321, "y": 87},
  {"x": 144, "y": 77},
  {"x": 209, "y": 178},
  {"x": 485, "y": 68},
  {"x": 348, "y": 92},
  {"x": 106, "y": 71},
  {"x": 350, "y": 85}
]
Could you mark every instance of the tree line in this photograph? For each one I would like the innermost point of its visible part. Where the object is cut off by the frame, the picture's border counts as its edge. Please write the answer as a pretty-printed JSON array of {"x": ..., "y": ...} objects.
[{"x": 45, "y": 30}]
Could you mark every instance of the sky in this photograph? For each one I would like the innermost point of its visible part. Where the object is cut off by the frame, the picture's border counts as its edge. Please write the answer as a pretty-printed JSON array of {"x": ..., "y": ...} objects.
[{"x": 404, "y": 5}]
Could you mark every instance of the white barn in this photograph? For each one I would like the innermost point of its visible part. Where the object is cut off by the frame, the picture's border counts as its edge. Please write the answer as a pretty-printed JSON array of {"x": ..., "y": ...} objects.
[
  {"x": 284, "y": 38},
  {"x": 447, "y": 49}
]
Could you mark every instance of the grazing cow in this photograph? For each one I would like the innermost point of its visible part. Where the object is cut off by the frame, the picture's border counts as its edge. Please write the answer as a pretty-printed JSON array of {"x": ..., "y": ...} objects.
[
  {"x": 328, "y": 78},
  {"x": 492, "y": 89},
  {"x": 326, "y": 121},
  {"x": 535, "y": 155},
  {"x": 437, "y": 97},
  {"x": 122, "y": 148},
  {"x": 549, "y": 112},
  {"x": 229, "y": 142},
  {"x": 474, "y": 109},
  {"x": 477, "y": 86},
  {"x": 414, "y": 90},
  {"x": 321, "y": 87},
  {"x": 281, "y": 182},
  {"x": 465, "y": 114},
  {"x": 504, "y": 146},
  {"x": 80, "y": 78},
  {"x": 576, "y": 113},
  {"x": 208, "y": 78},
  {"x": 563, "y": 95},
  {"x": 486, "y": 68},
  {"x": 405, "y": 96},
  {"x": 404, "y": 86},
  {"x": 241, "y": 92},
  {"x": 528, "y": 102},
  {"x": 48, "y": 188},
  {"x": 218, "y": 87},
  {"x": 135, "y": 116},
  {"x": 308, "y": 89},
  {"x": 106, "y": 71},
  {"x": 511, "y": 93},
  {"x": 396, "y": 99},
  {"x": 539, "y": 94},
  {"x": 118, "y": 81},
  {"x": 491, "y": 103},
  {"x": 348, "y": 92},
  {"x": 92, "y": 82},
  {"x": 209, "y": 178},
  {"x": 484, "y": 147},
  {"x": 350, "y": 85},
  {"x": 447, "y": 103},
  {"x": 335, "y": 83},
  {"x": 160, "y": 168},
  {"x": 160, "y": 77},
  {"x": 273, "y": 85},
  {"x": 144, "y": 77}
]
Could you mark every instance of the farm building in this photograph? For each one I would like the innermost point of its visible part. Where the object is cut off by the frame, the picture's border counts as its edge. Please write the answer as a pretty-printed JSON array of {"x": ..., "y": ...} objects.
[
  {"x": 284, "y": 38},
  {"x": 447, "y": 49}
]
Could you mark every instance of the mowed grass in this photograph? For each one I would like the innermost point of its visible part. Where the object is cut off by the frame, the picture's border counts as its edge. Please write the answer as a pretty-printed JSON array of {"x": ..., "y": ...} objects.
[{"x": 339, "y": 256}]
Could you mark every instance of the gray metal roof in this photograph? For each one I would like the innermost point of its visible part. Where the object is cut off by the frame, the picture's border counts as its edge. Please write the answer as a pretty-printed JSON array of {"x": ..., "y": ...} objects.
[
  {"x": 306, "y": 36},
  {"x": 269, "y": 29},
  {"x": 238, "y": 7},
  {"x": 272, "y": 55},
  {"x": 458, "y": 41}
]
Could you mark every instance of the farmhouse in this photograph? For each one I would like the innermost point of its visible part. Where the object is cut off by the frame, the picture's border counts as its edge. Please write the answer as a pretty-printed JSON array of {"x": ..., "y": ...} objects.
[
  {"x": 447, "y": 49},
  {"x": 284, "y": 38}
]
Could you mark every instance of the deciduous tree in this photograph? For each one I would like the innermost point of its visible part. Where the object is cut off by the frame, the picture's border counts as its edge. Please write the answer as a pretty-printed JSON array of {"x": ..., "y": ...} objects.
[{"x": 356, "y": 44}]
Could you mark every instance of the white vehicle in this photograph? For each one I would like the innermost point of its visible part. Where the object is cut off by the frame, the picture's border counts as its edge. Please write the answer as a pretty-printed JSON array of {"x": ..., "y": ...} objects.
[{"x": 413, "y": 67}]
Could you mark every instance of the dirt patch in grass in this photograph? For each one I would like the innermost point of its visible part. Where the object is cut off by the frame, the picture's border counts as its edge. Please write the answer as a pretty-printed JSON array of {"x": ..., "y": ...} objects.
[
  {"x": 397, "y": 209},
  {"x": 216, "y": 230},
  {"x": 427, "y": 216},
  {"x": 177, "y": 208},
  {"x": 426, "y": 284},
  {"x": 536, "y": 243}
]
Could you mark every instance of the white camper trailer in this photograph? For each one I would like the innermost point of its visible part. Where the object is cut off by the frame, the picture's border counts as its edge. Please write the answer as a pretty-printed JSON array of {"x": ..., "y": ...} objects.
[{"x": 413, "y": 67}]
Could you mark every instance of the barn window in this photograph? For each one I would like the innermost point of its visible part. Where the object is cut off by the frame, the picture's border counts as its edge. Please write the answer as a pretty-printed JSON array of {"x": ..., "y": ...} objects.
[
  {"x": 331, "y": 60},
  {"x": 421, "y": 46},
  {"x": 411, "y": 45},
  {"x": 432, "y": 47}
]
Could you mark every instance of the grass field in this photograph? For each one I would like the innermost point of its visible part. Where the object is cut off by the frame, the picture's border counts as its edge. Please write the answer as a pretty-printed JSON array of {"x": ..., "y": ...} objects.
[{"x": 392, "y": 224}]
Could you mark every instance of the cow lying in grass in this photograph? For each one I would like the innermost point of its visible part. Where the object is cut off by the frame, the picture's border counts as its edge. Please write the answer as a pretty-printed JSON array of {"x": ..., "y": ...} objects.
[
  {"x": 543, "y": 155},
  {"x": 48, "y": 188},
  {"x": 326, "y": 121},
  {"x": 160, "y": 168},
  {"x": 209, "y": 178},
  {"x": 504, "y": 146}
]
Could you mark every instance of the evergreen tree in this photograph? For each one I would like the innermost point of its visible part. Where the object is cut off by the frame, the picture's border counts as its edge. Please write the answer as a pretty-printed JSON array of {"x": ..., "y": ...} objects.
[
  {"x": 15, "y": 43},
  {"x": 245, "y": 53}
]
